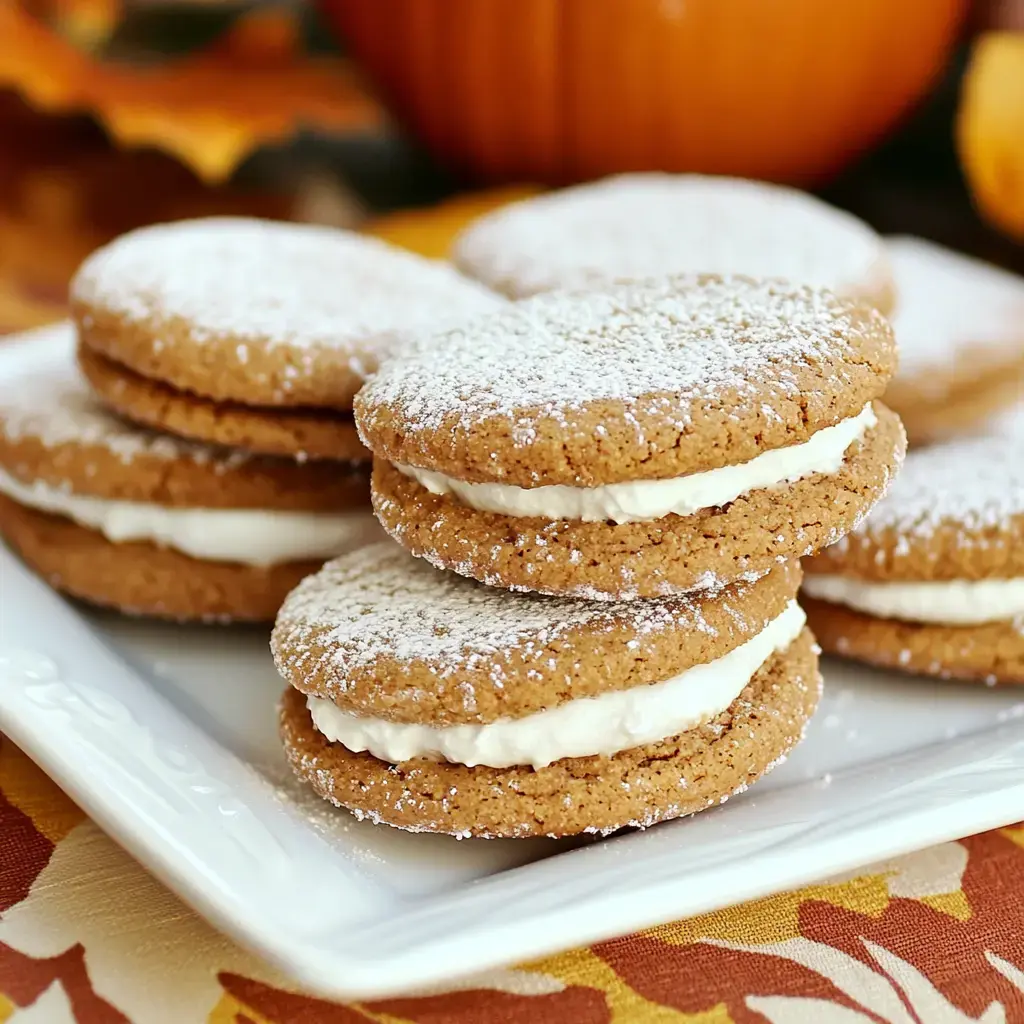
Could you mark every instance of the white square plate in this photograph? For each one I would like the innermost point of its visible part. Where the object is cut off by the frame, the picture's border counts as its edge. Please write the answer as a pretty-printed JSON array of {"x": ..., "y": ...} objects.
[{"x": 166, "y": 736}]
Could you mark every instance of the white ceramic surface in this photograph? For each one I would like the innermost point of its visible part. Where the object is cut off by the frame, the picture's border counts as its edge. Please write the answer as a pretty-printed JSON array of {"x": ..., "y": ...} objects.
[{"x": 166, "y": 736}]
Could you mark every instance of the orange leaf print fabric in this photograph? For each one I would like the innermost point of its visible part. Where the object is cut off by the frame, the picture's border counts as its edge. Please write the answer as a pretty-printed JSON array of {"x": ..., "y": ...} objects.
[{"x": 932, "y": 938}]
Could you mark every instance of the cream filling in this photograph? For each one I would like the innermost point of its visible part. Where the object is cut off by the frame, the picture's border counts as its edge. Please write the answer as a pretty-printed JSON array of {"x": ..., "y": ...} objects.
[
  {"x": 946, "y": 602},
  {"x": 254, "y": 537},
  {"x": 588, "y": 725},
  {"x": 642, "y": 501}
]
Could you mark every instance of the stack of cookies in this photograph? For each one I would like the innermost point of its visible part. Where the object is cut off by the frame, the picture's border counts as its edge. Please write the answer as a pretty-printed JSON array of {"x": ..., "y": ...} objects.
[
  {"x": 927, "y": 584},
  {"x": 429, "y": 702},
  {"x": 203, "y": 459},
  {"x": 614, "y": 488}
]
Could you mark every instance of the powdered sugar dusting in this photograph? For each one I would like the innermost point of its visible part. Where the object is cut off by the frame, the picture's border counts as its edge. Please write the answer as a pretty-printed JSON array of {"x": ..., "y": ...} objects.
[
  {"x": 659, "y": 347},
  {"x": 381, "y": 602},
  {"x": 291, "y": 284},
  {"x": 642, "y": 225},
  {"x": 952, "y": 307},
  {"x": 43, "y": 396},
  {"x": 1008, "y": 422},
  {"x": 976, "y": 484}
]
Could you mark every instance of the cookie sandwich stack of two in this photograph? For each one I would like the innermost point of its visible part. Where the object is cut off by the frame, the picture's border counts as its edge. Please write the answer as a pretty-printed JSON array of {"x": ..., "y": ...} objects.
[
  {"x": 614, "y": 489},
  {"x": 201, "y": 459}
]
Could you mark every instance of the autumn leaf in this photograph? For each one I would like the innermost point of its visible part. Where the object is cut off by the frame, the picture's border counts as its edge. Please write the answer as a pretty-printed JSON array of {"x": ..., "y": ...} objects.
[
  {"x": 253, "y": 86},
  {"x": 64, "y": 191},
  {"x": 87, "y": 23},
  {"x": 990, "y": 129},
  {"x": 431, "y": 230}
]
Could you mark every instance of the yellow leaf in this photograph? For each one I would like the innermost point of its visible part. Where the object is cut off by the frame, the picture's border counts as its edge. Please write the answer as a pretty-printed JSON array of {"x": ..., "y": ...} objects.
[
  {"x": 990, "y": 129},
  {"x": 87, "y": 23},
  {"x": 28, "y": 789},
  {"x": 430, "y": 230},
  {"x": 584, "y": 967},
  {"x": 953, "y": 903}
]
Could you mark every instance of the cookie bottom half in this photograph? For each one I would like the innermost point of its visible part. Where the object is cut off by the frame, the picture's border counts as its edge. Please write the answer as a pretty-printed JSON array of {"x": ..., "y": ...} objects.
[
  {"x": 307, "y": 433},
  {"x": 991, "y": 653},
  {"x": 710, "y": 548},
  {"x": 638, "y": 787},
  {"x": 142, "y": 579}
]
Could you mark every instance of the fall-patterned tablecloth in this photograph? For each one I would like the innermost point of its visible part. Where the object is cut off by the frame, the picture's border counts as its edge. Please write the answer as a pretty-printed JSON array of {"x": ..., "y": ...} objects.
[{"x": 933, "y": 938}]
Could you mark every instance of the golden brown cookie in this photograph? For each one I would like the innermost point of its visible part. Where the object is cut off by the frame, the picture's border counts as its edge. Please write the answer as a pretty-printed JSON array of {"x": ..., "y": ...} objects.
[
  {"x": 552, "y": 651},
  {"x": 116, "y": 512},
  {"x": 706, "y": 550},
  {"x": 637, "y": 788},
  {"x": 139, "y": 578},
  {"x": 299, "y": 433},
  {"x": 960, "y": 329},
  {"x": 258, "y": 312},
  {"x": 426, "y": 701},
  {"x": 645, "y": 225},
  {"x": 652, "y": 438},
  {"x": 990, "y": 653},
  {"x": 933, "y": 581}
]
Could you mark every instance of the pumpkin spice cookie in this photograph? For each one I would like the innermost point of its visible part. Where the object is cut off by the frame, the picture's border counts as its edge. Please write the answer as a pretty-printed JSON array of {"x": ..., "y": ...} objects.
[
  {"x": 426, "y": 701},
  {"x": 959, "y": 325},
  {"x": 933, "y": 582},
  {"x": 298, "y": 433},
  {"x": 643, "y": 225},
  {"x": 650, "y": 439},
  {"x": 244, "y": 331},
  {"x": 152, "y": 525}
]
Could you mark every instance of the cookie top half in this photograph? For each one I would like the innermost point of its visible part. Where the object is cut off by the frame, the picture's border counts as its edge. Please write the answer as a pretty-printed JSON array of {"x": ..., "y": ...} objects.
[
  {"x": 643, "y": 380},
  {"x": 955, "y": 313},
  {"x": 641, "y": 225},
  {"x": 54, "y": 433},
  {"x": 955, "y": 512},
  {"x": 383, "y": 634},
  {"x": 259, "y": 312}
]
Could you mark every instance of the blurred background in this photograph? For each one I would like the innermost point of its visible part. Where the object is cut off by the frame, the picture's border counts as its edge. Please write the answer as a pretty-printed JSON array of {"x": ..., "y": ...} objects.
[{"x": 368, "y": 113}]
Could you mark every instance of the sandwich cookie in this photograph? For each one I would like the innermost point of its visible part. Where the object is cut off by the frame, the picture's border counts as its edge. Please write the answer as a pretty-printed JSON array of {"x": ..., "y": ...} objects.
[
  {"x": 933, "y": 582},
  {"x": 651, "y": 439},
  {"x": 960, "y": 330},
  {"x": 152, "y": 525},
  {"x": 253, "y": 333},
  {"x": 426, "y": 701},
  {"x": 645, "y": 225}
]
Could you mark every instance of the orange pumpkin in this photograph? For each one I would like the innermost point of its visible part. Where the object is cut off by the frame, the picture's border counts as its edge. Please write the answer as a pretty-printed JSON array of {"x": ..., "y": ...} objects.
[{"x": 563, "y": 90}]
